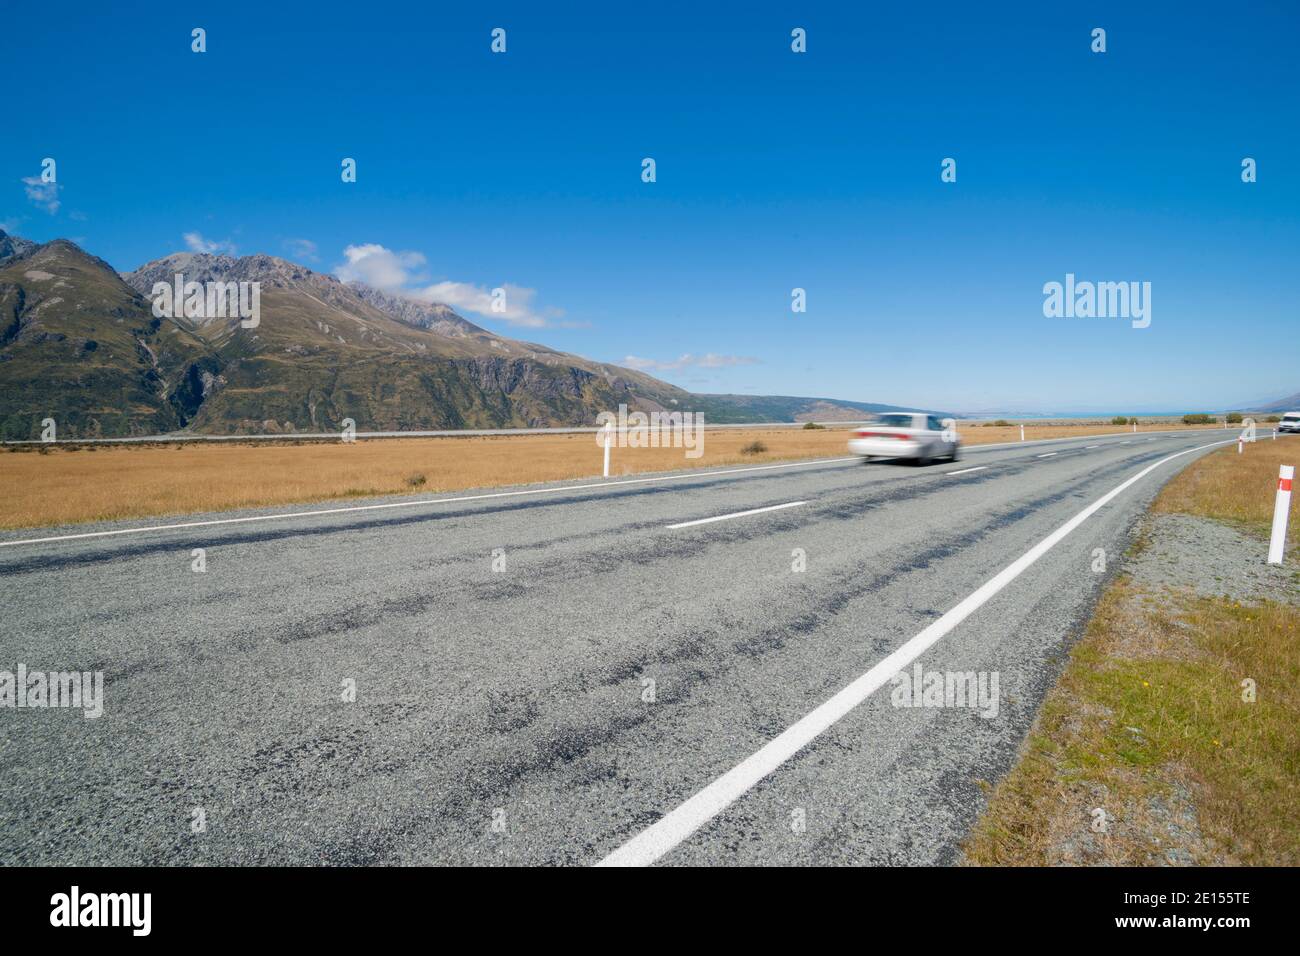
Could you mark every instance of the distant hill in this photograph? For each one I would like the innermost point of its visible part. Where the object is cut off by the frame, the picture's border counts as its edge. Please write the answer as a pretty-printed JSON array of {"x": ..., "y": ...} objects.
[
  {"x": 788, "y": 408},
  {"x": 79, "y": 343},
  {"x": 1289, "y": 404}
]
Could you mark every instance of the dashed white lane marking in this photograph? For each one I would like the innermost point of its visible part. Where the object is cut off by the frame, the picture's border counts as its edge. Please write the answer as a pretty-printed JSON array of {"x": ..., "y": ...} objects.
[
  {"x": 737, "y": 514},
  {"x": 966, "y": 471},
  {"x": 1091, "y": 446},
  {"x": 670, "y": 830},
  {"x": 1048, "y": 455},
  {"x": 1126, "y": 443}
]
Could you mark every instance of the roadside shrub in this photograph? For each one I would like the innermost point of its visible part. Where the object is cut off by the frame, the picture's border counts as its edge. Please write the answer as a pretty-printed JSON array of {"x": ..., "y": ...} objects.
[
  {"x": 1001, "y": 423},
  {"x": 1234, "y": 418},
  {"x": 1273, "y": 418},
  {"x": 754, "y": 448},
  {"x": 808, "y": 425},
  {"x": 416, "y": 480},
  {"x": 1198, "y": 419},
  {"x": 1119, "y": 420}
]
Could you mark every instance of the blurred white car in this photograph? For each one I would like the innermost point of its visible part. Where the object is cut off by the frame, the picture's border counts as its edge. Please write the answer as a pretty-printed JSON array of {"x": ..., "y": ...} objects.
[
  {"x": 1290, "y": 422},
  {"x": 914, "y": 435}
]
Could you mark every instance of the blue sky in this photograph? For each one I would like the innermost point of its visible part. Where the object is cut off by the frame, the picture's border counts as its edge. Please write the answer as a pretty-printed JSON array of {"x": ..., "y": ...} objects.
[{"x": 775, "y": 170}]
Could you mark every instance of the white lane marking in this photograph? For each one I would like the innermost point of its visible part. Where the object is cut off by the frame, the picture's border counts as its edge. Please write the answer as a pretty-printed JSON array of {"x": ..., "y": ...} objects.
[
  {"x": 1098, "y": 446},
  {"x": 1048, "y": 455},
  {"x": 966, "y": 471},
  {"x": 738, "y": 514},
  {"x": 670, "y": 830},
  {"x": 422, "y": 501},
  {"x": 1125, "y": 443},
  {"x": 499, "y": 494}
]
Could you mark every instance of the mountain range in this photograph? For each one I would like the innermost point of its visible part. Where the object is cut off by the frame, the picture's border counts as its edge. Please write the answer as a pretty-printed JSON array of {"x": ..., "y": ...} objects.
[{"x": 79, "y": 343}]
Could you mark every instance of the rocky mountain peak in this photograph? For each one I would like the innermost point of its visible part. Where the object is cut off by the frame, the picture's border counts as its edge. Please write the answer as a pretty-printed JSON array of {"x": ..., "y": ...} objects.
[
  {"x": 271, "y": 271},
  {"x": 433, "y": 316},
  {"x": 11, "y": 246}
]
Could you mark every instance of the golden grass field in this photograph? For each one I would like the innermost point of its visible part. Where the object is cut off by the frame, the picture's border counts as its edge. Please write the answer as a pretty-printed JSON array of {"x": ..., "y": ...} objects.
[
  {"x": 1239, "y": 489},
  {"x": 1148, "y": 720},
  {"x": 70, "y": 484}
]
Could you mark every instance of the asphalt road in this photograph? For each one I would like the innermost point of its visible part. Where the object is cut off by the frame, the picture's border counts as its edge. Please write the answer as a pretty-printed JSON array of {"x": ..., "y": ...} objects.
[{"x": 501, "y": 715}]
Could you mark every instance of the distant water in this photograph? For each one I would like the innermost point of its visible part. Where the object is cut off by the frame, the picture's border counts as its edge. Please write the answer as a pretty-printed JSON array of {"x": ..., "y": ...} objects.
[{"x": 1107, "y": 415}]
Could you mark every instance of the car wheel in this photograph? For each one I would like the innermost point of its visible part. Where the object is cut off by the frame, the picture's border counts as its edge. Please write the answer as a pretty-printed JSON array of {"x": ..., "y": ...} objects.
[{"x": 956, "y": 453}]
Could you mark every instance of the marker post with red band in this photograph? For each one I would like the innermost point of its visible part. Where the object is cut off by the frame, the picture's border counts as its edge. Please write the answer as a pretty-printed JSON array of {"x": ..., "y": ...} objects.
[{"x": 1281, "y": 510}]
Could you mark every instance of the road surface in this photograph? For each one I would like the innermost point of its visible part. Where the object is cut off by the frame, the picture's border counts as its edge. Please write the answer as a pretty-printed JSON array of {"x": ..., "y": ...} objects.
[{"x": 502, "y": 647}]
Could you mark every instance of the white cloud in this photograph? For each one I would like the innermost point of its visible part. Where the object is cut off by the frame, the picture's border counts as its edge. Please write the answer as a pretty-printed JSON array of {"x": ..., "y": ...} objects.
[
  {"x": 42, "y": 194},
  {"x": 708, "y": 360},
  {"x": 302, "y": 249},
  {"x": 515, "y": 301},
  {"x": 197, "y": 243},
  {"x": 376, "y": 266},
  {"x": 395, "y": 272}
]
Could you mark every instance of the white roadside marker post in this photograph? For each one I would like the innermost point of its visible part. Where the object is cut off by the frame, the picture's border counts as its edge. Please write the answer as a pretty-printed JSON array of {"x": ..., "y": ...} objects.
[
  {"x": 1281, "y": 509},
  {"x": 1135, "y": 428},
  {"x": 608, "y": 426},
  {"x": 1022, "y": 432},
  {"x": 1241, "y": 444}
]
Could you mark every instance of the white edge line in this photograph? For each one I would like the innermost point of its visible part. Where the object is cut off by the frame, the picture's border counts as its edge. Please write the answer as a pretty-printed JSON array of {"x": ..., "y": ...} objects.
[
  {"x": 1048, "y": 455},
  {"x": 967, "y": 471},
  {"x": 738, "y": 514},
  {"x": 1098, "y": 446},
  {"x": 670, "y": 830},
  {"x": 351, "y": 509},
  {"x": 424, "y": 501}
]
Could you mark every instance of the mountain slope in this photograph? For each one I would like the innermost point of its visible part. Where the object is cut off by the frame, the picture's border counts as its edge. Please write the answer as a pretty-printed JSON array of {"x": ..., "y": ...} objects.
[{"x": 80, "y": 346}]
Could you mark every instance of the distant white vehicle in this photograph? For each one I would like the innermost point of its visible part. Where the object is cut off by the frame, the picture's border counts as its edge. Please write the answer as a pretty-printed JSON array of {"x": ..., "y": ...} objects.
[
  {"x": 916, "y": 436},
  {"x": 1290, "y": 422}
]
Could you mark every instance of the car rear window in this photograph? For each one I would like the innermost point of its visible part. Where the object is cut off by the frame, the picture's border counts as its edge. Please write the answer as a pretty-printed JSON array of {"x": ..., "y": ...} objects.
[{"x": 893, "y": 421}]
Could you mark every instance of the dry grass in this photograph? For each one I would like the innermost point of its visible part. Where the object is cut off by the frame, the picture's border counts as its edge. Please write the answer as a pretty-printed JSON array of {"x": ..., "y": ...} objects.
[
  {"x": 1148, "y": 721},
  {"x": 1149, "y": 724},
  {"x": 1239, "y": 489},
  {"x": 65, "y": 485}
]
